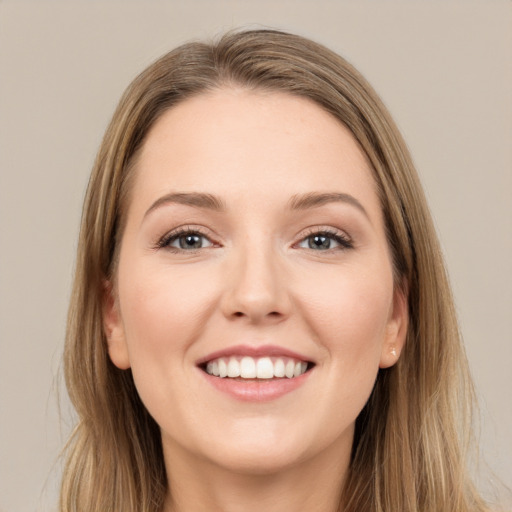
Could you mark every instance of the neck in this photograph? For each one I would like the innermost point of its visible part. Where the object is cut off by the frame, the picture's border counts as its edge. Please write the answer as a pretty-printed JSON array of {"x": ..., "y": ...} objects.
[{"x": 311, "y": 485}]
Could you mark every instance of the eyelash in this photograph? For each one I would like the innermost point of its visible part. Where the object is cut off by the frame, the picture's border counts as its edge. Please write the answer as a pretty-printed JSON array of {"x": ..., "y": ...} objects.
[
  {"x": 342, "y": 239},
  {"x": 166, "y": 240},
  {"x": 339, "y": 237}
]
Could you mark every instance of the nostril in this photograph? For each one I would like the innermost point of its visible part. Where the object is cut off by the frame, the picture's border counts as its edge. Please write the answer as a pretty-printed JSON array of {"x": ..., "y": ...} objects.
[{"x": 272, "y": 314}]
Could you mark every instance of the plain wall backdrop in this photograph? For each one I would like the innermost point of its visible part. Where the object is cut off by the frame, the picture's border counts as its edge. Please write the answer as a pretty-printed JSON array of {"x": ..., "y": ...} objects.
[{"x": 443, "y": 68}]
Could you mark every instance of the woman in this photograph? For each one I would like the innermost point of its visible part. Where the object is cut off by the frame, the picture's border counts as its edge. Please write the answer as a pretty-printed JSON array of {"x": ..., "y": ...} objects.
[{"x": 261, "y": 318}]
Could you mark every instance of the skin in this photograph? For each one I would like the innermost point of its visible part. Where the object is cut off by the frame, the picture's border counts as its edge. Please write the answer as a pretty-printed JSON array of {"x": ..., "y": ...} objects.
[{"x": 256, "y": 281}]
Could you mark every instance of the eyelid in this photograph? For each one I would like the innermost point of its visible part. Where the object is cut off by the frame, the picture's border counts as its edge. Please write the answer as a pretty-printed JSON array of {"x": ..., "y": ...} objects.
[
  {"x": 163, "y": 241},
  {"x": 340, "y": 236}
]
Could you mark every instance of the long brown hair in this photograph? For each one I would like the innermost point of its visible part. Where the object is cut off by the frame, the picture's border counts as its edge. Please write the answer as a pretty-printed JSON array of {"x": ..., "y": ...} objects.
[{"x": 412, "y": 437}]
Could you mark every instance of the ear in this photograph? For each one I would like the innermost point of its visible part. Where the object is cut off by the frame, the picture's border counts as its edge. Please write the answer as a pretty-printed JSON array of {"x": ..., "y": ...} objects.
[
  {"x": 114, "y": 329},
  {"x": 396, "y": 329}
]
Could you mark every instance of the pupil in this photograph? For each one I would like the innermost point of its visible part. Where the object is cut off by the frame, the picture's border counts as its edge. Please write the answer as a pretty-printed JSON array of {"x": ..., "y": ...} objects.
[
  {"x": 320, "y": 242},
  {"x": 190, "y": 241}
]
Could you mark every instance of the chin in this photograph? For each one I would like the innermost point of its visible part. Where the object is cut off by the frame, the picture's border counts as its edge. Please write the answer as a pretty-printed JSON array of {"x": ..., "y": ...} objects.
[
  {"x": 264, "y": 448},
  {"x": 257, "y": 461}
]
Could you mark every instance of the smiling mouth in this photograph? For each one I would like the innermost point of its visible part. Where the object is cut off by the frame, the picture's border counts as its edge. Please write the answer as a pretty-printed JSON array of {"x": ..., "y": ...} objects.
[{"x": 250, "y": 368}]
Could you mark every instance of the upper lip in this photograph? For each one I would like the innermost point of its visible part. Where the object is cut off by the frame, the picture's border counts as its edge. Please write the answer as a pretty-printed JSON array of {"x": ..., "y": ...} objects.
[{"x": 252, "y": 351}]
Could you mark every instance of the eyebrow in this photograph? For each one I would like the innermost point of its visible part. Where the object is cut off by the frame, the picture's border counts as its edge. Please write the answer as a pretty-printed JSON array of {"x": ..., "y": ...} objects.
[
  {"x": 316, "y": 199},
  {"x": 296, "y": 202},
  {"x": 195, "y": 199}
]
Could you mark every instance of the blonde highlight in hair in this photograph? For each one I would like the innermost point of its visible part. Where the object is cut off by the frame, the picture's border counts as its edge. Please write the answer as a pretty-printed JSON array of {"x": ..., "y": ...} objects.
[{"x": 412, "y": 437}]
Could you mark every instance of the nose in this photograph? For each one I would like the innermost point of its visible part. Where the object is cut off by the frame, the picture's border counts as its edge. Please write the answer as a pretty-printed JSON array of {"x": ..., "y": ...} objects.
[{"x": 256, "y": 287}]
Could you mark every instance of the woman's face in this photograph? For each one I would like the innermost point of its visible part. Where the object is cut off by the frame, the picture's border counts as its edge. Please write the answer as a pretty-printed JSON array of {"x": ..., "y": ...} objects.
[{"x": 254, "y": 243}]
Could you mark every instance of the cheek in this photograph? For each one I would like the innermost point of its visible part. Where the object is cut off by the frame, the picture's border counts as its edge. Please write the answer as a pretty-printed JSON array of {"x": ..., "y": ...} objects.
[
  {"x": 353, "y": 303},
  {"x": 349, "y": 316},
  {"x": 163, "y": 316},
  {"x": 162, "y": 311}
]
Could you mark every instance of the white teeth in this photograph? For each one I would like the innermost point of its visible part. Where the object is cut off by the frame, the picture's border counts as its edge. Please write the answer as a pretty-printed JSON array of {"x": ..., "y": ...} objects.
[
  {"x": 256, "y": 368},
  {"x": 289, "y": 368},
  {"x": 247, "y": 368},
  {"x": 265, "y": 368},
  {"x": 223, "y": 368},
  {"x": 233, "y": 368},
  {"x": 213, "y": 368},
  {"x": 279, "y": 368}
]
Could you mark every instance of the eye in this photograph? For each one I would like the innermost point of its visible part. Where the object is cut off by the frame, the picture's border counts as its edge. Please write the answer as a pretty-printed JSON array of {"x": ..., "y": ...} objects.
[
  {"x": 185, "y": 240},
  {"x": 325, "y": 240}
]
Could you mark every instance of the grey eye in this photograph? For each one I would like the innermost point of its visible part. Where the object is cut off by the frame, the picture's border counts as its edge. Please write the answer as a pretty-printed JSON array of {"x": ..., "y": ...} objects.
[
  {"x": 189, "y": 241},
  {"x": 324, "y": 241},
  {"x": 319, "y": 242}
]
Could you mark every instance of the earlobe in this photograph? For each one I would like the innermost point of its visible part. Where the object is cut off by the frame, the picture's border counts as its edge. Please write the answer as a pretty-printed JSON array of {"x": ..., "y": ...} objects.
[
  {"x": 396, "y": 330},
  {"x": 114, "y": 329}
]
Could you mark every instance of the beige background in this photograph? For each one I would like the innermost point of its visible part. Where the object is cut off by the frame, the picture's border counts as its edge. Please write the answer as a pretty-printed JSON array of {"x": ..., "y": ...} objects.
[{"x": 444, "y": 70}]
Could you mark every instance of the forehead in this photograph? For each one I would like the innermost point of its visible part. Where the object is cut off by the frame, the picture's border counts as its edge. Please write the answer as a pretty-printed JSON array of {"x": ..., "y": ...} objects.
[{"x": 269, "y": 143}]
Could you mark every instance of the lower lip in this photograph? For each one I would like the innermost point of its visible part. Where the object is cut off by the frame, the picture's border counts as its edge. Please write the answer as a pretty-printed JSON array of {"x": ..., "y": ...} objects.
[{"x": 261, "y": 390}]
